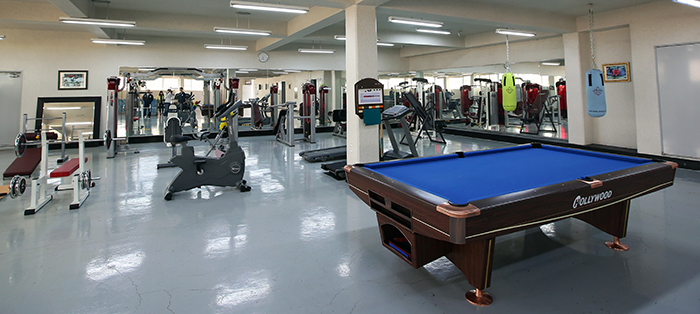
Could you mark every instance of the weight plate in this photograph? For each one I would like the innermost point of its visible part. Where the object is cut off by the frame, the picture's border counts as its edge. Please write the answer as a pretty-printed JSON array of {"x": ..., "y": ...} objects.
[{"x": 20, "y": 144}]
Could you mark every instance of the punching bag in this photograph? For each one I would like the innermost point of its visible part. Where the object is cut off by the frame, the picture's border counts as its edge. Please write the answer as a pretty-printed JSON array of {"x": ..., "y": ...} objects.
[
  {"x": 595, "y": 93},
  {"x": 510, "y": 102}
]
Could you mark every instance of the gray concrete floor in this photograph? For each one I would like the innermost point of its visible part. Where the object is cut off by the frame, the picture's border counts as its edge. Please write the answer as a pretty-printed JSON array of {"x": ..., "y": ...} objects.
[{"x": 301, "y": 242}]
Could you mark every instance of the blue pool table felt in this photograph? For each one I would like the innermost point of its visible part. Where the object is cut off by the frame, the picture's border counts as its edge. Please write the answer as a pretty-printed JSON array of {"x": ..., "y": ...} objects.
[{"x": 489, "y": 173}]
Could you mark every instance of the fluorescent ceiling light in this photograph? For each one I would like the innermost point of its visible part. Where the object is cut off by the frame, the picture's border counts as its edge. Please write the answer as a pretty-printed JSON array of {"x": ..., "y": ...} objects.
[
  {"x": 339, "y": 37},
  {"x": 79, "y": 123},
  {"x": 405, "y": 20},
  {"x": 551, "y": 63},
  {"x": 269, "y": 7},
  {"x": 292, "y": 71},
  {"x": 514, "y": 32},
  {"x": 226, "y": 47},
  {"x": 385, "y": 44},
  {"x": 118, "y": 42},
  {"x": 279, "y": 72},
  {"x": 433, "y": 31},
  {"x": 307, "y": 50},
  {"x": 98, "y": 22},
  {"x": 63, "y": 108},
  {"x": 242, "y": 72},
  {"x": 242, "y": 31},
  {"x": 147, "y": 69},
  {"x": 248, "y": 70},
  {"x": 693, "y": 3}
]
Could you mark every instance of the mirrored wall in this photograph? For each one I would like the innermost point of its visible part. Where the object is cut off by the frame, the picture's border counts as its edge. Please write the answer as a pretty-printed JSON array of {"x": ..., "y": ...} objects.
[
  {"x": 148, "y": 93},
  {"x": 471, "y": 98}
]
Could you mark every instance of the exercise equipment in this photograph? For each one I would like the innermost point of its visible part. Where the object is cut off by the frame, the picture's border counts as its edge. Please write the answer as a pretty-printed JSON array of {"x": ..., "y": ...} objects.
[
  {"x": 398, "y": 112},
  {"x": 81, "y": 182},
  {"x": 21, "y": 141},
  {"x": 172, "y": 128},
  {"x": 508, "y": 84},
  {"x": 325, "y": 154},
  {"x": 323, "y": 94},
  {"x": 17, "y": 186},
  {"x": 424, "y": 120},
  {"x": 339, "y": 117},
  {"x": 196, "y": 171},
  {"x": 307, "y": 112},
  {"x": 114, "y": 144},
  {"x": 284, "y": 128},
  {"x": 595, "y": 84}
]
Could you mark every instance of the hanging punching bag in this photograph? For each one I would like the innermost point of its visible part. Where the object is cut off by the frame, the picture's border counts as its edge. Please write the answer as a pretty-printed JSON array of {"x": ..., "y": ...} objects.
[
  {"x": 595, "y": 93},
  {"x": 510, "y": 95}
]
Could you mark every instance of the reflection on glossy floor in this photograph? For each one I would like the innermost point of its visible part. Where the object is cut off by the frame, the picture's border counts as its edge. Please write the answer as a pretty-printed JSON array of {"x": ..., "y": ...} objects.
[
  {"x": 559, "y": 129},
  {"x": 301, "y": 242}
]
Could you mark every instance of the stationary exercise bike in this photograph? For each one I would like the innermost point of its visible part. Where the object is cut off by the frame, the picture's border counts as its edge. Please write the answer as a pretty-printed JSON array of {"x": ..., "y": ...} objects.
[{"x": 224, "y": 171}]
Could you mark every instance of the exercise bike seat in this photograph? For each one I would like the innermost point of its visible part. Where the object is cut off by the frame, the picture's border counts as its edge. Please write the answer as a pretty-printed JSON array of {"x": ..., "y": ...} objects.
[{"x": 176, "y": 139}]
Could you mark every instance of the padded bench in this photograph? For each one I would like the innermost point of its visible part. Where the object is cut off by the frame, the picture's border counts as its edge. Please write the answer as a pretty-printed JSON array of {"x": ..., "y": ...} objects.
[
  {"x": 25, "y": 165},
  {"x": 66, "y": 169}
]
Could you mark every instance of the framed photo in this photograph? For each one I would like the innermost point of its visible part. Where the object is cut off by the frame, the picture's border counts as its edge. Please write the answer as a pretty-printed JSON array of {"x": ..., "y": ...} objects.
[
  {"x": 69, "y": 80},
  {"x": 617, "y": 72}
]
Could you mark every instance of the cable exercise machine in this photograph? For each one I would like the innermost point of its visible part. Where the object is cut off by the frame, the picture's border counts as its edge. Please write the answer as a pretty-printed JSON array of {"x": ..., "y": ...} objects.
[
  {"x": 114, "y": 144},
  {"x": 284, "y": 128}
]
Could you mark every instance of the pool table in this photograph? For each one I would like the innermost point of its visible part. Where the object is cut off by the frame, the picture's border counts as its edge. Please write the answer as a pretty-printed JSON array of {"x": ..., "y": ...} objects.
[{"x": 455, "y": 205}]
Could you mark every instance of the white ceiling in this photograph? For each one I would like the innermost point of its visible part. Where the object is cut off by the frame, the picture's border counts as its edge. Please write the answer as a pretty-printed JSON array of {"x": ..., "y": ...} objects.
[{"x": 188, "y": 19}]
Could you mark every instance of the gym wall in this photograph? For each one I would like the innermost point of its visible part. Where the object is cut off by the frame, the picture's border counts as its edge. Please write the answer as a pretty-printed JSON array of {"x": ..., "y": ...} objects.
[{"x": 40, "y": 54}]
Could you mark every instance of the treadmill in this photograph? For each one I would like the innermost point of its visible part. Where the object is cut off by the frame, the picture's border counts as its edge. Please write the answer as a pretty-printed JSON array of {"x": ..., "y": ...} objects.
[
  {"x": 324, "y": 154},
  {"x": 398, "y": 112}
]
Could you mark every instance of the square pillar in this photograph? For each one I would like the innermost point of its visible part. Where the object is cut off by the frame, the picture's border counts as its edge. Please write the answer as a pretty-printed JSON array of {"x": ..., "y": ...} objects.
[{"x": 360, "y": 62}]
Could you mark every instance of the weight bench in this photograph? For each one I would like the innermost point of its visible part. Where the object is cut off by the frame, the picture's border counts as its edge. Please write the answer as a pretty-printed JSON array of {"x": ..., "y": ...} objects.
[
  {"x": 25, "y": 165},
  {"x": 81, "y": 182}
]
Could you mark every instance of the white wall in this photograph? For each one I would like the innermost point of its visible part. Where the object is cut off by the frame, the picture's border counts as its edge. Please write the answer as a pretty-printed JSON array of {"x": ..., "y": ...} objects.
[
  {"x": 653, "y": 24},
  {"x": 618, "y": 126},
  {"x": 40, "y": 54}
]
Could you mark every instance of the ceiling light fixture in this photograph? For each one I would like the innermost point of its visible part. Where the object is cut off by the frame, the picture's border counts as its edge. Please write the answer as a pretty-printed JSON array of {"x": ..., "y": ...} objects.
[
  {"x": 433, "y": 31},
  {"x": 269, "y": 7},
  {"x": 242, "y": 31},
  {"x": 248, "y": 70},
  {"x": 292, "y": 71},
  {"x": 405, "y": 20},
  {"x": 385, "y": 44},
  {"x": 551, "y": 63},
  {"x": 118, "y": 42},
  {"x": 514, "y": 32},
  {"x": 312, "y": 50},
  {"x": 98, "y": 22},
  {"x": 225, "y": 47},
  {"x": 692, "y": 3},
  {"x": 279, "y": 72},
  {"x": 242, "y": 72},
  {"x": 339, "y": 37}
]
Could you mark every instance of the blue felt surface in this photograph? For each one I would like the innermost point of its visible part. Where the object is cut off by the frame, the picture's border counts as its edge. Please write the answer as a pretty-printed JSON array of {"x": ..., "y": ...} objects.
[{"x": 495, "y": 172}]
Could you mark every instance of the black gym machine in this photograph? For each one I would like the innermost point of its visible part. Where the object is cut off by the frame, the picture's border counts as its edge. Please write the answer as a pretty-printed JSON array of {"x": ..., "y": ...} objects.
[{"x": 224, "y": 171}]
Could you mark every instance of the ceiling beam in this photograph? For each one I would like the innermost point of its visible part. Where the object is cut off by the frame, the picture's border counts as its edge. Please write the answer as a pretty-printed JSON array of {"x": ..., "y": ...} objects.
[
  {"x": 303, "y": 25},
  {"x": 79, "y": 8}
]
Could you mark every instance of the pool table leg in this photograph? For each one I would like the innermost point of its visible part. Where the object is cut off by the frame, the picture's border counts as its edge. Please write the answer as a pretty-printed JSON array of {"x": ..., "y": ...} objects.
[
  {"x": 475, "y": 260},
  {"x": 612, "y": 220}
]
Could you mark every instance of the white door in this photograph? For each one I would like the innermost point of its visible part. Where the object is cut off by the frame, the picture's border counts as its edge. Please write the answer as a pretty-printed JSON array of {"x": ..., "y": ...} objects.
[
  {"x": 678, "y": 69},
  {"x": 10, "y": 102}
]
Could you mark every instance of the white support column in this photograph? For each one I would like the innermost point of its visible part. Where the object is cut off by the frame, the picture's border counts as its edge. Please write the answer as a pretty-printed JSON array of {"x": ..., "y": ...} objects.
[
  {"x": 360, "y": 62},
  {"x": 578, "y": 60}
]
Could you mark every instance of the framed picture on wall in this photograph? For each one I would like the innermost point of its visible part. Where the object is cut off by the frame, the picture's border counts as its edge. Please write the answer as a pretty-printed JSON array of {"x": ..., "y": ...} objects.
[
  {"x": 617, "y": 72},
  {"x": 69, "y": 80}
]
